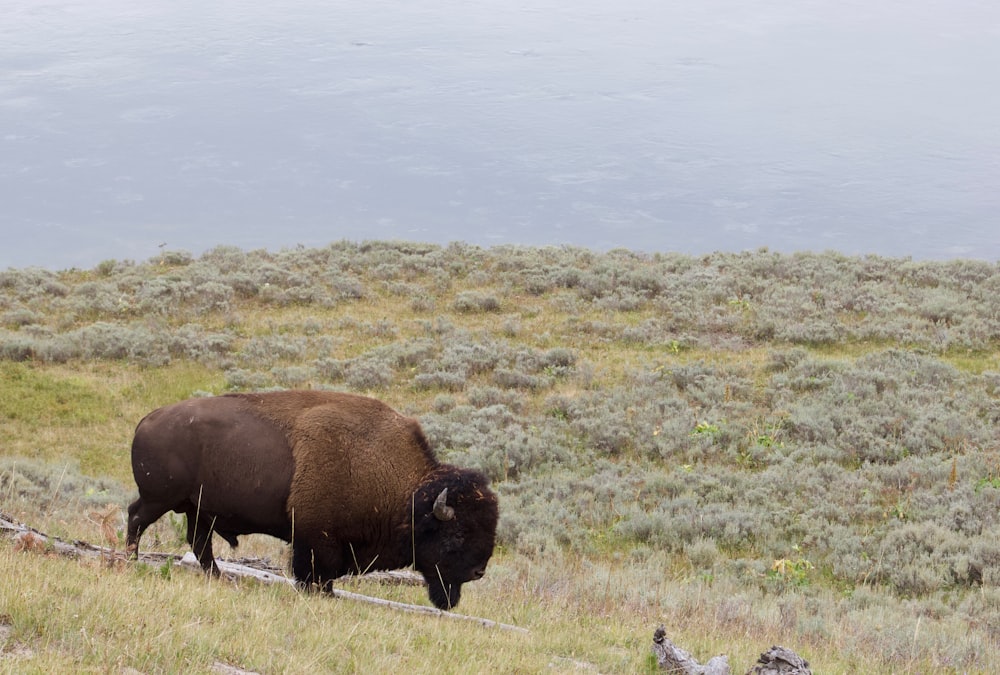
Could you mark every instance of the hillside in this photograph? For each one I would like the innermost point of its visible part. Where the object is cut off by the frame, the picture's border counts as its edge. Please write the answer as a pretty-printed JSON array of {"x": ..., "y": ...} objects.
[{"x": 751, "y": 448}]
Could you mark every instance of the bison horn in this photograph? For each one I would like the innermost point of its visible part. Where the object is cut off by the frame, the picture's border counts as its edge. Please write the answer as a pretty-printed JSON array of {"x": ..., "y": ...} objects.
[{"x": 441, "y": 509}]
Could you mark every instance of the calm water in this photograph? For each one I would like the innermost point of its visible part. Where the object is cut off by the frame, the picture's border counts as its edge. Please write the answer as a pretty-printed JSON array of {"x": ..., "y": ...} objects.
[{"x": 686, "y": 126}]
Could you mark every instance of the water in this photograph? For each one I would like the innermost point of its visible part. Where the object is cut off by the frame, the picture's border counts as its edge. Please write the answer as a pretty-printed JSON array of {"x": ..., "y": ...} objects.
[{"x": 682, "y": 126}]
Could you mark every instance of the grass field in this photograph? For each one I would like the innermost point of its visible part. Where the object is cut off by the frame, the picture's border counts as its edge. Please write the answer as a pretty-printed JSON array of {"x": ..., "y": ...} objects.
[{"x": 751, "y": 449}]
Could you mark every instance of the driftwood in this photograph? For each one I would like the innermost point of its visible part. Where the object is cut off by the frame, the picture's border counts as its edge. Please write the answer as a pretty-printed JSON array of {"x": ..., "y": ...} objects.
[
  {"x": 780, "y": 661},
  {"x": 775, "y": 661},
  {"x": 27, "y": 538},
  {"x": 673, "y": 659}
]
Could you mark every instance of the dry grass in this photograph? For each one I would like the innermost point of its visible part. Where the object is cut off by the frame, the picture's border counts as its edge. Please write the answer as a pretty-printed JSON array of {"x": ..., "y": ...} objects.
[
  {"x": 142, "y": 618},
  {"x": 583, "y": 616}
]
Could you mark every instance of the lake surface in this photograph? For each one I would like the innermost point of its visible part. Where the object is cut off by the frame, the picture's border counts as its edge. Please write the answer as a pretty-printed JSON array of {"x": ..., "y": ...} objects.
[{"x": 658, "y": 126}]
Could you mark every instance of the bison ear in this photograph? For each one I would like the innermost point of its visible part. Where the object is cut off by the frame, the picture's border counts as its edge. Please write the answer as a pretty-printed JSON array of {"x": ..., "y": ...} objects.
[{"x": 441, "y": 509}]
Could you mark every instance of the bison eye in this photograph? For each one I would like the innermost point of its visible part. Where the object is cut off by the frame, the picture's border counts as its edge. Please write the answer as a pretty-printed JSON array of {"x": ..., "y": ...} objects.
[{"x": 453, "y": 544}]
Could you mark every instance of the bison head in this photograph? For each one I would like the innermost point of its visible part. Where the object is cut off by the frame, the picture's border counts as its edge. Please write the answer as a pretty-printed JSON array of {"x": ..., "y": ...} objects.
[{"x": 454, "y": 522}]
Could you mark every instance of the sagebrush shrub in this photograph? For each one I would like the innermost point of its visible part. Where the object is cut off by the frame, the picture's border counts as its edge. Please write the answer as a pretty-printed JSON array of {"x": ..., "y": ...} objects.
[
  {"x": 440, "y": 380},
  {"x": 476, "y": 301},
  {"x": 367, "y": 375},
  {"x": 16, "y": 318}
]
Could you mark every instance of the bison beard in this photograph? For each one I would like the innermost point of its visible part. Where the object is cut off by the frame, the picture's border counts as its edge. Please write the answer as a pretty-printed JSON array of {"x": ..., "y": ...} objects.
[
  {"x": 444, "y": 596},
  {"x": 352, "y": 484}
]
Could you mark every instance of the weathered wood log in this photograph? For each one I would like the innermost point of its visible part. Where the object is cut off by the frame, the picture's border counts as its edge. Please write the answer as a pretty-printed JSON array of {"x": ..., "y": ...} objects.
[
  {"x": 29, "y": 539},
  {"x": 775, "y": 661},
  {"x": 673, "y": 659},
  {"x": 227, "y": 669},
  {"x": 237, "y": 570},
  {"x": 780, "y": 661}
]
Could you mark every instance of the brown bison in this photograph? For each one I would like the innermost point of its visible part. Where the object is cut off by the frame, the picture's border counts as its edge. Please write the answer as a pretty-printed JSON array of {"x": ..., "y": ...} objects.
[{"x": 351, "y": 483}]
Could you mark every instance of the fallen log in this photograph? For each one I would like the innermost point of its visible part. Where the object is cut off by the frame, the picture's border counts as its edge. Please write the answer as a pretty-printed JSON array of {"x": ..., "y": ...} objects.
[
  {"x": 242, "y": 571},
  {"x": 775, "y": 661},
  {"x": 673, "y": 659},
  {"x": 780, "y": 661},
  {"x": 27, "y": 538}
]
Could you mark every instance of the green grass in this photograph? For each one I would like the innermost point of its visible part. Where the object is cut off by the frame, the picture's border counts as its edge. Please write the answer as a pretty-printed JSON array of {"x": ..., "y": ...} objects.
[
  {"x": 38, "y": 399},
  {"x": 84, "y": 413}
]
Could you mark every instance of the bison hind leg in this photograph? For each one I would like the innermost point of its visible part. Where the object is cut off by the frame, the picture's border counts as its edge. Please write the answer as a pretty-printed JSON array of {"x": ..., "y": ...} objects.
[
  {"x": 199, "y": 536},
  {"x": 141, "y": 514}
]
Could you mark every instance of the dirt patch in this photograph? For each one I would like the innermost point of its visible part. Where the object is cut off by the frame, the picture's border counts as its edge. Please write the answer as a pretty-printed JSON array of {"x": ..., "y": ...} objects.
[{"x": 9, "y": 648}]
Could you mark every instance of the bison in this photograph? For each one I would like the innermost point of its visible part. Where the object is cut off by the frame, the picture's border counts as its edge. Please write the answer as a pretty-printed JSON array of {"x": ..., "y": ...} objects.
[{"x": 351, "y": 483}]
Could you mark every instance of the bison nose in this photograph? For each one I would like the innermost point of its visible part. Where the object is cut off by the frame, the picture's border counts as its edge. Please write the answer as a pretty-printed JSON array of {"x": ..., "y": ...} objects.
[{"x": 478, "y": 573}]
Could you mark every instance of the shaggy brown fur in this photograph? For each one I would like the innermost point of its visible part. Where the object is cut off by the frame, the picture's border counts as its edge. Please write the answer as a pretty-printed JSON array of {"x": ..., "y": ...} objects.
[{"x": 375, "y": 455}]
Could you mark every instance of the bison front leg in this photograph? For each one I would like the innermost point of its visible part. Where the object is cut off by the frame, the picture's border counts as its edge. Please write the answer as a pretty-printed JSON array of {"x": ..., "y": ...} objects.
[
  {"x": 317, "y": 566},
  {"x": 304, "y": 565},
  {"x": 199, "y": 536}
]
